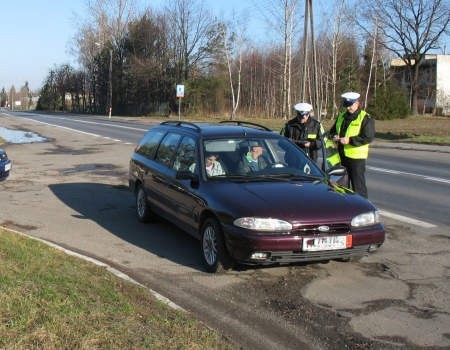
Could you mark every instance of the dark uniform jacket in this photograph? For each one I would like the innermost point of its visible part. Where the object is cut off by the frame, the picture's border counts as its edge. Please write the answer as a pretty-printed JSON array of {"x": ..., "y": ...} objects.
[{"x": 299, "y": 133}]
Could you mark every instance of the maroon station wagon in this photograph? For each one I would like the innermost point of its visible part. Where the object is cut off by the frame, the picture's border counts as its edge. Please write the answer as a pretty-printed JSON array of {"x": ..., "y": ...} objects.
[{"x": 250, "y": 196}]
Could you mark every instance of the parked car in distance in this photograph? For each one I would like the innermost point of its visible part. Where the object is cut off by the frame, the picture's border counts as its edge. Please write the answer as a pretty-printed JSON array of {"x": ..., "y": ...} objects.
[
  {"x": 5, "y": 165},
  {"x": 250, "y": 196}
]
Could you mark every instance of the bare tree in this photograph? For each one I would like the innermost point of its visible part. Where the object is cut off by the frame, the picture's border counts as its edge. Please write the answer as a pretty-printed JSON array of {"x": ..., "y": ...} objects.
[
  {"x": 24, "y": 96},
  {"x": 194, "y": 33},
  {"x": 109, "y": 20},
  {"x": 336, "y": 41},
  {"x": 281, "y": 16},
  {"x": 372, "y": 58},
  {"x": 410, "y": 29},
  {"x": 233, "y": 44}
]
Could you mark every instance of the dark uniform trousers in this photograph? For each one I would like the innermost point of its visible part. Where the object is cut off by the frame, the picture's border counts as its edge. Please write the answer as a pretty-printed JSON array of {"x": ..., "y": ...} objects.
[{"x": 356, "y": 172}]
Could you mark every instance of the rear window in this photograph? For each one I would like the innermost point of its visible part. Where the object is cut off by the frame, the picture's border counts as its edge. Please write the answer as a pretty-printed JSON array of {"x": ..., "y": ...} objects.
[
  {"x": 186, "y": 155},
  {"x": 167, "y": 148},
  {"x": 149, "y": 144}
]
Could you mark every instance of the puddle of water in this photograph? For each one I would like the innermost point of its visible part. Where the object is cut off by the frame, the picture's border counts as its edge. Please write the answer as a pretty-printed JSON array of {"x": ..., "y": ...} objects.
[{"x": 18, "y": 136}]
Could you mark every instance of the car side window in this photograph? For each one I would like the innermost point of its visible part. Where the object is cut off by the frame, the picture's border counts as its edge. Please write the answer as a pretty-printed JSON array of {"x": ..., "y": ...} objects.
[
  {"x": 186, "y": 155},
  {"x": 167, "y": 148},
  {"x": 149, "y": 144}
]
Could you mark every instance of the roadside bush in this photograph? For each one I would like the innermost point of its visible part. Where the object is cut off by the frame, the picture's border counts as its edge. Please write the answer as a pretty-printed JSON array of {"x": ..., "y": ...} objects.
[
  {"x": 204, "y": 96},
  {"x": 391, "y": 102}
]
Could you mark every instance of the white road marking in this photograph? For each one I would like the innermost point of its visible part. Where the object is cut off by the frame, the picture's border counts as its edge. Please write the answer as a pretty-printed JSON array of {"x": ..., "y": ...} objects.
[
  {"x": 396, "y": 172},
  {"x": 95, "y": 123},
  {"x": 82, "y": 132},
  {"x": 406, "y": 219},
  {"x": 64, "y": 127}
]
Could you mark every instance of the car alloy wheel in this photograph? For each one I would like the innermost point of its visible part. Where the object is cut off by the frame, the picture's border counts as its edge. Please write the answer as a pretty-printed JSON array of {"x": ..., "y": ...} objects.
[
  {"x": 142, "y": 207},
  {"x": 210, "y": 246},
  {"x": 214, "y": 252}
]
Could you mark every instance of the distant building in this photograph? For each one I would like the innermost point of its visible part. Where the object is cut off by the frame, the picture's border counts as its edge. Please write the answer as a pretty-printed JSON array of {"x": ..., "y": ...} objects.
[{"x": 433, "y": 95}]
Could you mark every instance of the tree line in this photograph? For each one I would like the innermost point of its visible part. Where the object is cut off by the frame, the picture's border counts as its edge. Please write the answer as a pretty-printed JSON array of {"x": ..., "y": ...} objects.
[{"x": 131, "y": 62}]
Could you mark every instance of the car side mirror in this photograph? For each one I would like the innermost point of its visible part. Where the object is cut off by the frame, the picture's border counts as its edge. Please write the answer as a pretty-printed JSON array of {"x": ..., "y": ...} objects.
[
  {"x": 188, "y": 175},
  {"x": 185, "y": 175},
  {"x": 337, "y": 170},
  {"x": 338, "y": 175}
]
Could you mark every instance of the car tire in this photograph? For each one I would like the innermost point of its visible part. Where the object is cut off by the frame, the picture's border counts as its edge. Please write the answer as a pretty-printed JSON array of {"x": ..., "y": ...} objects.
[
  {"x": 214, "y": 253},
  {"x": 143, "y": 211}
]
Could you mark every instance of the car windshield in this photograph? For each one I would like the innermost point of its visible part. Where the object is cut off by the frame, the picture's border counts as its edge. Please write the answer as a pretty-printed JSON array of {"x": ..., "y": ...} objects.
[{"x": 257, "y": 159}]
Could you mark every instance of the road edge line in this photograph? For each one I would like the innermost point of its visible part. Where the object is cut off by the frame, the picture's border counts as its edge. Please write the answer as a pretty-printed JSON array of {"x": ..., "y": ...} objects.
[{"x": 406, "y": 219}]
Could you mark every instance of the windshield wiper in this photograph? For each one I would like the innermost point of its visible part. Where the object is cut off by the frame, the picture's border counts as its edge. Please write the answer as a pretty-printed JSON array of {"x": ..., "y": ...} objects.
[
  {"x": 291, "y": 176},
  {"x": 285, "y": 177}
]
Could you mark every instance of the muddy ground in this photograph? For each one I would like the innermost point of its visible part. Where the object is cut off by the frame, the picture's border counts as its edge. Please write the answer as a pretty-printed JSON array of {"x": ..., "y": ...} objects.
[{"x": 72, "y": 190}]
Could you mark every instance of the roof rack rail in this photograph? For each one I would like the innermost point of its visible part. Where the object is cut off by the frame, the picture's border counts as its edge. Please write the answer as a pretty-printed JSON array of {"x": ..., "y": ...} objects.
[
  {"x": 181, "y": 123},
  {"x": 240, "y": 122}
]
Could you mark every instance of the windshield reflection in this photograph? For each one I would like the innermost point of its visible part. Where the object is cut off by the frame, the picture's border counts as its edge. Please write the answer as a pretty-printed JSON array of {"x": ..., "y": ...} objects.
[{"x": 257, "y": 158}]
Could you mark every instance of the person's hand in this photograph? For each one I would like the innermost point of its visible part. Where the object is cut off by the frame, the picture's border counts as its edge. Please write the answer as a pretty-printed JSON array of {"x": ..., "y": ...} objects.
[{"x": 345, "y": 140}]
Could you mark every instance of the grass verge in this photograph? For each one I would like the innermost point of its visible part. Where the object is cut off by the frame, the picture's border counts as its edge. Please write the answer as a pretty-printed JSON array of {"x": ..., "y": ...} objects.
[{"x": 49, "y": 300}]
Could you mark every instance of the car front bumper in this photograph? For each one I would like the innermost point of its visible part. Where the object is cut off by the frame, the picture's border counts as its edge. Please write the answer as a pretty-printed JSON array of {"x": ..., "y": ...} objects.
[{"x": 249, "y": 248}]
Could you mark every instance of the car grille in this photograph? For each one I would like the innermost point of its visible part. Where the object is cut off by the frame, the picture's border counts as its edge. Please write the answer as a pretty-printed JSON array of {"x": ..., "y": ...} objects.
[
  {"x": 315, "y": 229},
  {"x": 290, "y": 256}
]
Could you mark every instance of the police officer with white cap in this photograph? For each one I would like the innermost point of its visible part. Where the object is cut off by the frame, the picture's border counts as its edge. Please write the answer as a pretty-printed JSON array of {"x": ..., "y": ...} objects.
[
  {"x": 353, "y": 131},
  {"x": 304, "y": 130}
]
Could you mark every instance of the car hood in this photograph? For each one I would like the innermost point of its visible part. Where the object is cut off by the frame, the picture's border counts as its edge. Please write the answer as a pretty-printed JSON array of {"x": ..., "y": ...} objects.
[{"x": 292, "y": 201}]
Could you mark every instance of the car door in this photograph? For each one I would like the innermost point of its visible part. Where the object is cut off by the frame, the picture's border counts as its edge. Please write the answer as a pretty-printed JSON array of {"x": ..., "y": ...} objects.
[
  {"x": 159, "y": 185},
  {"x": 184, "y": 201}
]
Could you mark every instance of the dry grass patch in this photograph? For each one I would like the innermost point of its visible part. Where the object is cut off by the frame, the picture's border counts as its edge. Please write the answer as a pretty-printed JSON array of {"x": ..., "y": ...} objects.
[{"x": 49, "y": 300}]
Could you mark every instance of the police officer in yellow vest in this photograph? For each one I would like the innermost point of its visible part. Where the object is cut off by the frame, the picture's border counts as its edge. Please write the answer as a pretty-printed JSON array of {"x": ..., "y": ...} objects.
[
  {"x": 304, "y": 130},
  {"x": 353, "y": 131}
]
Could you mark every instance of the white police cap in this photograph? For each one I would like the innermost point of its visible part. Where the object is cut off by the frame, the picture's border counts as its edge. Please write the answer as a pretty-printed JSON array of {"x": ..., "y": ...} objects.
[
  {"x": 303, "y": 107},
  {"x": 350, "y": 97}
]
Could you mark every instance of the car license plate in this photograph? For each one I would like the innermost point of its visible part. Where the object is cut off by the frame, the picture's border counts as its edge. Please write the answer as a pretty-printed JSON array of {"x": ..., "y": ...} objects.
[
  {"x": 8, "y": 167},
  {"x": 313, "y": 244}
]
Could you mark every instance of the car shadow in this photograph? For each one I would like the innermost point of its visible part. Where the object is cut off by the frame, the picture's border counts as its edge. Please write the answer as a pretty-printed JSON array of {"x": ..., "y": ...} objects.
[{"x": 113, "y": 208}]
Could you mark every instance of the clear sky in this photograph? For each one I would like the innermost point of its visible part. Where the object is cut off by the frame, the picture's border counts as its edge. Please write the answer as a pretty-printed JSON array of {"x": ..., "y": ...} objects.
[{"x": 37, "y": 35}]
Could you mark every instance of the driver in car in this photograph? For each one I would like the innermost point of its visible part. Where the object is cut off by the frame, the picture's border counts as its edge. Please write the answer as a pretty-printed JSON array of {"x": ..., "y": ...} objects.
[{"x": 253, "y": 160}]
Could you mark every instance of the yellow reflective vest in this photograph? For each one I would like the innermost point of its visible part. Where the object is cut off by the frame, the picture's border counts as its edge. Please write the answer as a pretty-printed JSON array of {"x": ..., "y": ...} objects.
[
  {"x": 332, "y": 153},
  {"x": 350, "y": 151}
]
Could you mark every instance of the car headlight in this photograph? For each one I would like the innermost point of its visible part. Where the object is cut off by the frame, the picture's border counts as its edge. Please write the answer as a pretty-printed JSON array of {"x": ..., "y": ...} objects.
[
  {"x": 366, "y": 219},
  {"x": 263, "y": 224}
]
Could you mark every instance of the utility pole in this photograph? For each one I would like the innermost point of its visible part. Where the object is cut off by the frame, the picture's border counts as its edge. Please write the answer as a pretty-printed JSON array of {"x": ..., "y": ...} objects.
[
  {"x": 309, "y": 17},
  {"x": 305, "y": 51},
  {"x": 110, "y": 84}
]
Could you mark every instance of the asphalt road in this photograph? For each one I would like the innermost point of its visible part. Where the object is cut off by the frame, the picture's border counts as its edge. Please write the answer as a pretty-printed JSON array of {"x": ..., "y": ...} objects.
[
  {"x": 73, "y": 191},
  {"x": 414, "y": 183}
]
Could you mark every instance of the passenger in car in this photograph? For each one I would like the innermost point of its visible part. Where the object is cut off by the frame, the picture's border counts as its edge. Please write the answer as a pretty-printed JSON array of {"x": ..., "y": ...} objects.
[{"x": 213, "y": 166}]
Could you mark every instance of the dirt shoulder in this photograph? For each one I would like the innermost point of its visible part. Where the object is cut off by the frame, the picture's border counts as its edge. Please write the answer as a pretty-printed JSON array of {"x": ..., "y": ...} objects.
[{"x": 73, "y": 191}]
